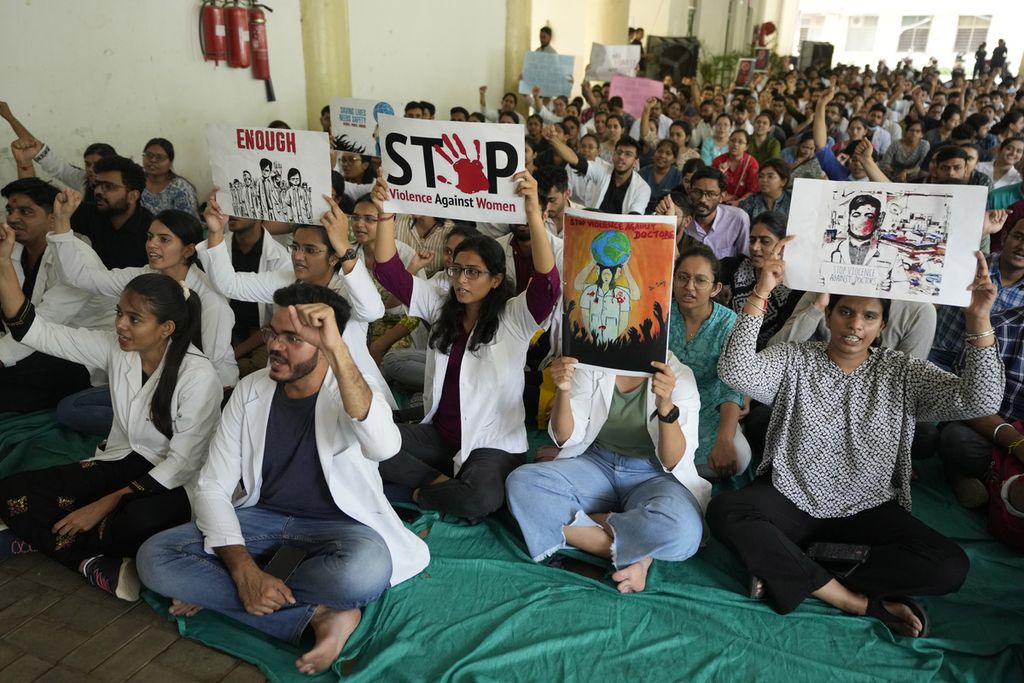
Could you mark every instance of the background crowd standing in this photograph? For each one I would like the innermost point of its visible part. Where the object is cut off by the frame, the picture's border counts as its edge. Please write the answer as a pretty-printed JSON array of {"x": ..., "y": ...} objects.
[{"x": 213, "y": 350}]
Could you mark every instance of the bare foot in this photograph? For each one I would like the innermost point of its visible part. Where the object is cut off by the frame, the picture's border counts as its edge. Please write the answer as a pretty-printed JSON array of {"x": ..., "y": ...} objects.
[
  {"x": 332, "y": 628},
  {"x": 911, "y": 625},
  {"x": 633, "y": 579},
  {"x": 180, "y": 608}
]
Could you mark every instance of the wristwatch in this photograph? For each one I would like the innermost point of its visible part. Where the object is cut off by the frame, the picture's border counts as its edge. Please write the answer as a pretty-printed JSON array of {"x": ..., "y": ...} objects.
[
  {"x": 672, "y": 416},
  {"x": 350, "y": 254}
]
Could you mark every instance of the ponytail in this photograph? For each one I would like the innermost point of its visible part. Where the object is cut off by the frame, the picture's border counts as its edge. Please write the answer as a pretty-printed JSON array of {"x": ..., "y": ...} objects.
[{"x": 167, "y": 300}]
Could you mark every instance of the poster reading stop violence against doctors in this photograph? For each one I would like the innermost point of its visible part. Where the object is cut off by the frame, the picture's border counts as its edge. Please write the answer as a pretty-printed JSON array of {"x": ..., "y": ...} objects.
[
  {"x": 270, "y": 174},
  {"x": 618, "y": 290},
  {"x": 452, "y": 169}
]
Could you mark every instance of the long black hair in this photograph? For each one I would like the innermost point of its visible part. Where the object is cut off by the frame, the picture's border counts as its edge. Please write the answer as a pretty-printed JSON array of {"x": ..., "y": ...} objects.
[
  {"x": 448, "y": 326},
  {"x": 166, "y": 299},
  {"x": 184, "y": 226}
]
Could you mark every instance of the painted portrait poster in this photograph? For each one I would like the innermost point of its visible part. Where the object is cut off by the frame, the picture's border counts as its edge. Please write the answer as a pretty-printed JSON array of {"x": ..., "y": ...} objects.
[
  {"x": 617, "y": 289},
  {"x": 355, "y": 124},
  {"x": 270, "y": 174},
  {"x": 895, "y": 241}
]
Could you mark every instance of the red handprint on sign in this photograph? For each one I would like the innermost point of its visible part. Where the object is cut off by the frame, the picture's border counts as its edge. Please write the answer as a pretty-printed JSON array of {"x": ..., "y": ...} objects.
[{"x": 471, "y": 174}]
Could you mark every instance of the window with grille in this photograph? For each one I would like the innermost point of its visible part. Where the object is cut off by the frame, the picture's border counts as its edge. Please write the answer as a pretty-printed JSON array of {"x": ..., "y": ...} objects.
[
  {"x": 914, "y": 36},
  {"x": 812, "y": 27},
  {"x": 860, "y": 34},
  {"x": 972, "y": 31}
]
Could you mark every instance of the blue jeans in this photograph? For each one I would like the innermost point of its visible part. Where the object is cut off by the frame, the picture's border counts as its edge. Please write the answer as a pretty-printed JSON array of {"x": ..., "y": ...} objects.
[
  {"x": 653, "y": 515},
  {"x": 348, "y": 565},
  {"x": 89, "y": 411}
]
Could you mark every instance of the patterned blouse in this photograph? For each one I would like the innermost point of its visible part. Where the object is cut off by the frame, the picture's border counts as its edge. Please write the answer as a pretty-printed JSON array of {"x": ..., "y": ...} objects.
[
  {"x": 700, "y": 354},
  {"x": 179, "y": 194},
  {"x": 839, "y": 444}
]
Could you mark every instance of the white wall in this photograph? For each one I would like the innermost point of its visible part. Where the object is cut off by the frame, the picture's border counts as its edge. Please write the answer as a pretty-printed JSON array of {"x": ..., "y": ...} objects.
[
  {"x": 441, "y": 51},
  {"x": 124, "y": 72}
]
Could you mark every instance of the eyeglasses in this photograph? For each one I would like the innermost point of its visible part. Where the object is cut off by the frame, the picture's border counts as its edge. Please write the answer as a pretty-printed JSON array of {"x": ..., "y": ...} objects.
[
  {"x": 152, "y": 156},
  {"x": 700, "y": 282},
  {"x": 104, "y": 186},
  {"x": 705, "y": 194},
  {"x": 454, "y": 272},
  {"x": 355, "y": 219},
  {"x": 290, "y": 338},
  {"x": 307, "y": 249}
]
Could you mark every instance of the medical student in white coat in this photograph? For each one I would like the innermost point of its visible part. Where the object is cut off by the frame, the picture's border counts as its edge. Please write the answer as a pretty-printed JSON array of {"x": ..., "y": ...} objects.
[
  {"x": 473, "y": 434},
  {"x": 93, "y": 516},
  {"x": 171, "y": 249},
  {"x": 303, "y": 436},
  {"x": 624, "y": 486},
  {"x": 321, "y": 255}
]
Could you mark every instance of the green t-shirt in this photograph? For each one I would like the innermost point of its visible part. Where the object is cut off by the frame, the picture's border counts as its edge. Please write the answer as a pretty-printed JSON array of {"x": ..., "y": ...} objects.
[{"x": 625, "y": 430}]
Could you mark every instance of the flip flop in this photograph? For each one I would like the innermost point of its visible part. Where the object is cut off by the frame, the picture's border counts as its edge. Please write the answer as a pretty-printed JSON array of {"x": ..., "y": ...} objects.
[{"x": 877, "y": 610}]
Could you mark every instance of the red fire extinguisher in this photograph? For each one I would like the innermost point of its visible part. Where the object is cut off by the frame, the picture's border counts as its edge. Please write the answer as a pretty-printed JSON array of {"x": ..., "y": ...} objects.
[
  {"x": 260, "y": 48},
  {"x": 239, "y": 48},
  {"x": 213, "y": 37}
]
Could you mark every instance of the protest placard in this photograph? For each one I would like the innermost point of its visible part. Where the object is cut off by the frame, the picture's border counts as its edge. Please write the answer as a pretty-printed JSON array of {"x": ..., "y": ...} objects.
[
  {"x": 452, "y": 169},
  {"x": 553, "y": 73},
  {"x": 761, "y": 59},
  {"x": 889, "y": 240},
  {"x": 744, "y": 72},
  {"x": 635, "y": 91},
  {"x": 608, "y": 60},
  {"x": 618, "y": 288},
  {"x": 354, "y": 124},
  {"x": 270, "y": 174}
]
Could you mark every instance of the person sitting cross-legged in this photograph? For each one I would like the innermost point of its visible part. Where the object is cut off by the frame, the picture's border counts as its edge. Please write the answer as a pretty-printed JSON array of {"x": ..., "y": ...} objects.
[{"x": 303, "y": 436}]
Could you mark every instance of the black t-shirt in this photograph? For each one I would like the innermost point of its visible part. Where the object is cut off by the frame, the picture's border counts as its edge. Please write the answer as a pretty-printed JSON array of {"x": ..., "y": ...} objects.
[
  {"x": 615, "y": 196},
  {"x": 121, "y": 248},
  {"x": 293, "y": 480},
  {"x": 247, "y": 313}
]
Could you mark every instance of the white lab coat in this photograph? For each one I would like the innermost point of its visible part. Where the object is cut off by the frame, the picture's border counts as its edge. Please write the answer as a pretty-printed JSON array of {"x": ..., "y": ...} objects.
[
  {"x": 349, "y": 451},
  {"x": 218, "y": 318},
  {"x": 594, "y": 184},
  {"x": 274, "y": 256},
  {"x": 591, "y": 397},
  {"x": 491, "y": 379},
  {"x": 357, "y": 288},
  {"x": 61, "y": 304},
  {"x": 195, "y": 403}
]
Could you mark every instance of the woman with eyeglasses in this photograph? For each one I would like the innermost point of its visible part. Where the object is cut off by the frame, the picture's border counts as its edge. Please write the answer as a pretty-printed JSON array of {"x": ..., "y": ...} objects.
[
  {"x": 456, "y": 461},
  {"x": 170, "y": 249},
  {"x": 92, "y": 516},
  {"x": 698, "y": 328},
  {"x": 321, "y": 255},
  {"x": 165, "y": 189}
]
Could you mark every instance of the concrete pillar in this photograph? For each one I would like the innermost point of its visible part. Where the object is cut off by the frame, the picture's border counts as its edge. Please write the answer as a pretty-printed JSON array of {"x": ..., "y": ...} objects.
[
  {"x": 325, "y": 45},
  {"x": 518, "y": 34}
]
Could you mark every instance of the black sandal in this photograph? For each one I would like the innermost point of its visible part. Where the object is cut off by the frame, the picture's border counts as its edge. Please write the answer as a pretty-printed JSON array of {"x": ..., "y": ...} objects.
[{"x": 877, "y": 610}]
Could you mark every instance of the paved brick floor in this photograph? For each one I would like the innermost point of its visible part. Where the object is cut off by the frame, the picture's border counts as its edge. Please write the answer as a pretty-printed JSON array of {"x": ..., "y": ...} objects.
[{"x": 54, "y": 627}]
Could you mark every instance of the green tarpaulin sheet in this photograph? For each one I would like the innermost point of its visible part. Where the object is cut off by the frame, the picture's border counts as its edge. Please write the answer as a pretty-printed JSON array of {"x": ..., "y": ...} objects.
[{"x": 483, "y": 612}]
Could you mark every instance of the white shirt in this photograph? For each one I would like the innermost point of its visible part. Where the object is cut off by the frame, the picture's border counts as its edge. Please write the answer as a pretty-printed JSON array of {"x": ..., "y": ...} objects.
[
  {"x": 349, "y": 451},
  {"x": 218, "y": 318}
]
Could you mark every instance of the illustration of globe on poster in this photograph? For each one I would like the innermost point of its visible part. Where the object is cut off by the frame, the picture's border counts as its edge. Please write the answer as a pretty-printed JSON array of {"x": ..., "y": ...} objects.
[{"x": 617, "y": 290}]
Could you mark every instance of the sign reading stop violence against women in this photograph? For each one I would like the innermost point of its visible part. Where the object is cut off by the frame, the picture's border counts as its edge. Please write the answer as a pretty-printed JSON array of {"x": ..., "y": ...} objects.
[
  {"x": 452, "y": 169},
  {"x": 635, "y": 91},
  {"x": 270, "y": 174},
  {"x": 617, "y": 291}
]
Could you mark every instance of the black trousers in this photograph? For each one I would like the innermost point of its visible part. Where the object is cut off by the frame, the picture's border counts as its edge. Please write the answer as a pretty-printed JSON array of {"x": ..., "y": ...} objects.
[
  {"x": 479, "y": 488},
  {"x": 38, "y": 382},
  {"x": 768, "y": 532},
  {"x": 32, "y": 502}
]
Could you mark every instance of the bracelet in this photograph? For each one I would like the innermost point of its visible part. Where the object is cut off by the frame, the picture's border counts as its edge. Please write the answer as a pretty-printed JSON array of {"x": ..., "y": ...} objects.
[
  {"x": 385, "y": 216},
  {"x": 1013, "y": 446},
  {"x": 759, "y": 296},
  {"x": 995, "y": 432},
  {"x": 980, "y": 335}
]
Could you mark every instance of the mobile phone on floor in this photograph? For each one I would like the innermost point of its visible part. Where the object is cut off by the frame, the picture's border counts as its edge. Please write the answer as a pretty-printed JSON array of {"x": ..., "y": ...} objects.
[{"x": 284, "y": 562}]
